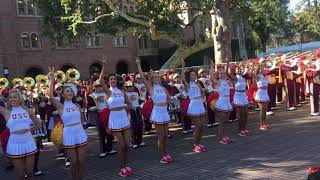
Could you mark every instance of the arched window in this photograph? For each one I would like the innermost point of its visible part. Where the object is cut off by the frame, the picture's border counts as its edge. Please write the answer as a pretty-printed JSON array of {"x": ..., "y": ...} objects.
[
  {"x": 93, "y": 40},
  {"x": 21, "y": 4},
  {"x": 65, "y": 67},
  {"x": 31, "y": 6},
  {"x": 122, "y": 67},
  {"x": 33, "y": 72},
  {"x": 131, "y": 9},
  {"x": 35, "y": 41},
  {"x": 25, "y": 40},
  {"x": 125, "y": 9}
]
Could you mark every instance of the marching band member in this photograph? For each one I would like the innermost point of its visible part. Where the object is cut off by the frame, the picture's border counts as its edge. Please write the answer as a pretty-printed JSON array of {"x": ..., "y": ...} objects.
[
  {"x": 270, "y": 75},
  {"x": 223, "y": 106},
  {"x": 261, "y": 96},
  {"x": 136, "y": 117},
  {"x": 21, "y": 148},
  {"x": 74, "y": 137},
  {"x": 196, "y": 110},
  {"x": 159, "y": 115},
  {"x": 118, "y": 123},
  {"x": 206, "y": 84},
  {"x": 313, "y": 78},
  {"x": 289, "y": 82},
  {"x": 182, "y": 95},
  {"x": 240, "y": 99},
  {"x": 96, "y": 103}
]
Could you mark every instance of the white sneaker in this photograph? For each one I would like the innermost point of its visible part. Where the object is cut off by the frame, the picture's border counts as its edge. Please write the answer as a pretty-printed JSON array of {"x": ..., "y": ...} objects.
[
  {"x": 257, "y": 109},
  {"x": 184, "y": 132},
  {"x": 270, "y": 113},
  {"x": 315, "y": 114},
  {"x": 142, "y": 144},
  {"x": 67, "y": 164},
  {"x": 38, "y": 173},
  {"x": 135, "y": 146},
  {"x": 112, "y": 152},
  {"x": 274, "y": 108},
  {"x": 102, "y": 154},
  {"x": 216, "y": 124},
  {"x": 292, "y": 109}
]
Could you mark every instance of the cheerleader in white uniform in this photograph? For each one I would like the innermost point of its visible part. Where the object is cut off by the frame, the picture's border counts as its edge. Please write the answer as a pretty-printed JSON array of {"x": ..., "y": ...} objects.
[
  {"x": 223, "y": 105},
  {"x": 118, "y": 123},
  {"x": 74, "y": 137},
  {"x": 240, "y": 100},
  {"x": 196, "y": 109},
  {"x": 159, "y": 115},
  {"x": 21, "y": 148},
  {"x": 261, "y": 96}
]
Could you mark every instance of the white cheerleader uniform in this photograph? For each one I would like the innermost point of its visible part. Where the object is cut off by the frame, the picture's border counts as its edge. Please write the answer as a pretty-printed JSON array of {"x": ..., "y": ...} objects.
[
  {"x": 223, "y": 103},
  {"x": 159, "y": 114},
  {"x": 20, "y": 145},
  {"x": 262, "y": 93},
  {"x": 118, "y": 120},
  {"x": 73, "y": 132},
  {"x": 196, "y": 107},
  {"x": 240, "y": 98}
]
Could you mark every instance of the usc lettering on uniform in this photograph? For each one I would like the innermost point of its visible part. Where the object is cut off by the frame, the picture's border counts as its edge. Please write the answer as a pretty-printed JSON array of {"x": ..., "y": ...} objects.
[
  {"x": 72, "y": 109},
  {"x": 115, "y": 95},
  {"x": 20, "y": 115}
]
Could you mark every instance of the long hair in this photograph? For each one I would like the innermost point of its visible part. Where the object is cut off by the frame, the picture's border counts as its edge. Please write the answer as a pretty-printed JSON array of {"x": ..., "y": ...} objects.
[
  {"x": 188, "y": 73},
  {"x": 62, "y": 92},
  {"x": 16, "y": 92},
  {"x": 108, "y": 77}
]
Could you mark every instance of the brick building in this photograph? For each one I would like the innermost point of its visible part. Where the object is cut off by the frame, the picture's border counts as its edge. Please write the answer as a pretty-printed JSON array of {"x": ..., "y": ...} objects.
[{"x": 23, "y": 52}]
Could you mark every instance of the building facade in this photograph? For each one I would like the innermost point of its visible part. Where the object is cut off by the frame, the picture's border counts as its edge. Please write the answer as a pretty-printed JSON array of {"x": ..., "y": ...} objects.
[{"x": 23, "y": 52}]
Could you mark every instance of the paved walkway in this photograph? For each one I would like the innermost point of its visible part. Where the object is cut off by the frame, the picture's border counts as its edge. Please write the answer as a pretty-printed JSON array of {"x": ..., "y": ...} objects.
[{"x": 283, "y": 153}]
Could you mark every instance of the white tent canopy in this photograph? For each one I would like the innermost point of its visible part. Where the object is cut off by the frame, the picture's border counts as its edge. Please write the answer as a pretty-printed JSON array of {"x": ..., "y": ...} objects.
[{"x": 311, "y": 46}]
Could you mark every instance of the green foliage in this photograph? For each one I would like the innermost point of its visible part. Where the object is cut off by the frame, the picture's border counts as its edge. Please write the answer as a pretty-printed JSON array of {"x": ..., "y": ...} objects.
[{"x": 307, "y": 21}]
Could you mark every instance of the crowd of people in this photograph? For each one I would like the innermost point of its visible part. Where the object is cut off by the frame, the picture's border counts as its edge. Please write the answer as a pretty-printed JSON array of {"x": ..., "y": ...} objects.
[{"x": 125, "y": 107}]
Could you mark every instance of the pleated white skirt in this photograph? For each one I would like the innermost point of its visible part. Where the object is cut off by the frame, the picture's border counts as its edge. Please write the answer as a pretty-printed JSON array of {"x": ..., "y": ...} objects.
[
  {"x": 21, "y": 145},
  {"x": 118, "y": 120},
  {"x": 160, "y": 115},
  {"x": 74, "y": 136}
]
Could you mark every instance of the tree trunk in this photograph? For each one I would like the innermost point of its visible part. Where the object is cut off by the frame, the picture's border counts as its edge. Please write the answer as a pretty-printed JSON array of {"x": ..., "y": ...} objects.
[
  {"x": 221, "y": 32},
  {"x": 264, "y": 46}
]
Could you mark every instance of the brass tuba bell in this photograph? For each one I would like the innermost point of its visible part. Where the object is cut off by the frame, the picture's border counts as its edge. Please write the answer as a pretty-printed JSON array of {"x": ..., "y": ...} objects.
[
  {"x": 17, "y": 82},
  {"x": 28, "y": 82},
  {"x": 73, "y": 75},
  {"x": 60, "y": 76},
  {"x": 4, "y": 83},
  {"x": 42, "y": 80}
]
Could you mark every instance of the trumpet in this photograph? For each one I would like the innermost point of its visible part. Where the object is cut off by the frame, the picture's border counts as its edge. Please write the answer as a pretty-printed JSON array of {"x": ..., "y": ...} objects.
[
  {"x": 28, "y": 82},
  {"x": 73, "y": 75},
  {"x": 17, "y": 82},
  {"x": 4, "y": 83},
  {"x": 42, "y": 80},
  {"x": 60, "y": 76}
]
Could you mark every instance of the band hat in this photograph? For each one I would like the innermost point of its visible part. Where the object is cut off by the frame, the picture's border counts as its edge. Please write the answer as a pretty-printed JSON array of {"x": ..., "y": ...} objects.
[
  {"x": 175, "y": 75},
  {"x": 138, "y": 76},
  {"x": 58, "y": 85},
  {"x": 201, "y": 70},
  {"x": 96, "y": 83},
  {"x": 128, "y": 84}
]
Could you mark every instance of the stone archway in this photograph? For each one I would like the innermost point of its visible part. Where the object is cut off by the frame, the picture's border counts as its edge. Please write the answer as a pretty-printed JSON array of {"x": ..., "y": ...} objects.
[
  {"x": 33, "y": 71},
  {"x": 122, "y": 67},
  {"x": 65, "y": 67}
]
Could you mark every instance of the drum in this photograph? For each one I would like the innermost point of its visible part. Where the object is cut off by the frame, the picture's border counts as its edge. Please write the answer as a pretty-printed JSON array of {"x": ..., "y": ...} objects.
[{"x": 42, "y": 132}]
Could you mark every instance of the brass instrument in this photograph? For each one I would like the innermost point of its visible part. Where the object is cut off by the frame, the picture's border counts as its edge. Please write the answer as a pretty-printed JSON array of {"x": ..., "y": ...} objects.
[
  {"x": 17, "y": 82},
  {"x": 28, "y": 82},
  {"x": 73, "y": 75},
  {"x": 42, "y": 80},
  {"x": 4, "y": 83},
  {"x": 60, "y": 76}
]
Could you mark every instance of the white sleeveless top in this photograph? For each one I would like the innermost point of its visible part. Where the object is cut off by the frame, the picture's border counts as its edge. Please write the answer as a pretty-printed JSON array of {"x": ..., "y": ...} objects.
[
  {"x": 241, "y": 83},
  {"x": 207, "y": 84},
  {"x": 19, "y": 119},
  {"x": 134, "y": 98},
  {"x": 116, "y": 98},
  {"x": 71, "y": 113},
  {"x": 101, "y": 99},
  {"x": 159, "y": 94},
  {"x": 194, "y": 90},
  {"x": 181, "y": 89},
  {"x": 262, "y": 82},
  {"x": 224, "y": 89}
]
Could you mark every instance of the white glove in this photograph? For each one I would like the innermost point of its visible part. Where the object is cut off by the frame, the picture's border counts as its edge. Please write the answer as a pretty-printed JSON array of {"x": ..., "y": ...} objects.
[
  {"x": 55, "y": 113},
  {"x": 92, "y": 108}
]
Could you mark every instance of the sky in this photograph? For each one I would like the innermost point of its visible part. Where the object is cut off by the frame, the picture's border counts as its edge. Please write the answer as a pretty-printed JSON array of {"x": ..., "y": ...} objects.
[{"x": 293, "y": 4}]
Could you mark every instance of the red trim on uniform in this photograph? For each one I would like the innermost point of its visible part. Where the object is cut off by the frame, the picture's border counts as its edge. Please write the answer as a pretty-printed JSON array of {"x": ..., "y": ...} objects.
[
  {"x": 22, "y": 155},
  {"x": 75, "y": 146},
  {"x": 118, "y": 130},
  {"x": 159, "y": 123}
]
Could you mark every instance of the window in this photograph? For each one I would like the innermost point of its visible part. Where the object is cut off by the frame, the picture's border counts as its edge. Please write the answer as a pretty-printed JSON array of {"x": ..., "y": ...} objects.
[
  {"x": 35, "y": 41},
  {"x": 125, "y": 9},
  {"x": 131, "y": 9},
  {"x": 120, "y": 41},
  {"x": 22, "y": 7},
  {"x": 25, "y": 40},
  {"x": 93, "y": 40},
  {"x": 63, "y": 42},
  {"x": 27, "y": 7}
]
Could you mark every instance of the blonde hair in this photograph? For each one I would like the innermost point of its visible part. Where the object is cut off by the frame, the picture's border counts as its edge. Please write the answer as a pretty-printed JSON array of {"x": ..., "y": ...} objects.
[{"x": 16, "y": 92}]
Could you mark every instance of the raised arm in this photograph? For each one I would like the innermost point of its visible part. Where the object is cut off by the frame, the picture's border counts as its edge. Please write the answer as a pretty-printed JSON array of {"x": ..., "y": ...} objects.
[
  {"x": 54, "y": 101},
  {"x": 101, "y": 77},
  {"x": 213, "y": 75},
  {"x": 145, "y": 81},
  {"x": 183, "y": 76}
]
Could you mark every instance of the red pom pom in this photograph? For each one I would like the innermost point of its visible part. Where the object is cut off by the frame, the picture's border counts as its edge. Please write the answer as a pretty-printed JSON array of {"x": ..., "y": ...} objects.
[
  {"x": 147, "y": 109},
  {"x": 4, "y": 137},
  {"x": 313, "y": 170},
  {"x": 252, "y": 89},
  {"x": 104, "y": 117},
  {"x": 185, "y": 105},
  {"x": 318, "y": 53}
]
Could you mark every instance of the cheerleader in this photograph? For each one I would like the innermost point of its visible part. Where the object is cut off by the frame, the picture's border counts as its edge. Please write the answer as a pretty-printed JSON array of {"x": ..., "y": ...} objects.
[
  {"x": 196, "y": 109},
  {"x": 159, "y": 115},
  {"x": 118, "y": 123},
  {"x": 74, "y": 137},
  {"x": 223, "y": 106},
  {"x": 240, "y": 100},
  {"x": 21, "y": 148},
  {"x": 261, "y": 96}
]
